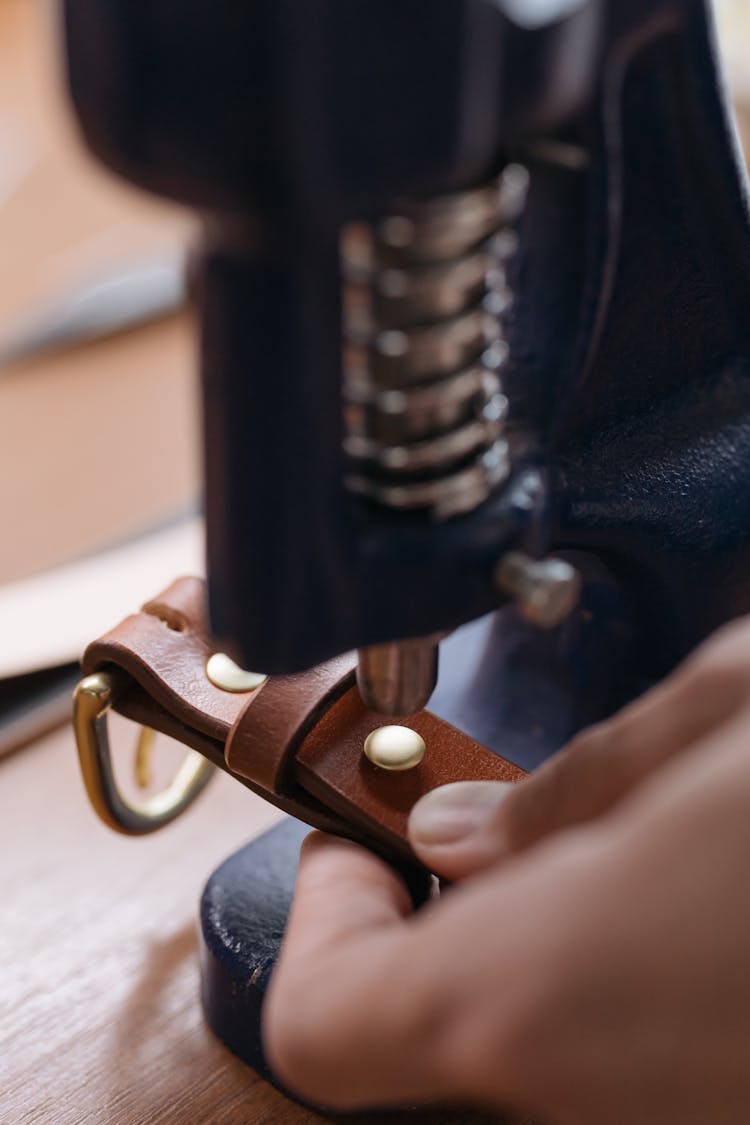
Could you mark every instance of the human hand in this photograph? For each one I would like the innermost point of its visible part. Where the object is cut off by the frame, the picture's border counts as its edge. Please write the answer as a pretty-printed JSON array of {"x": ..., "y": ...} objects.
[{"x": 594, "y": 970}]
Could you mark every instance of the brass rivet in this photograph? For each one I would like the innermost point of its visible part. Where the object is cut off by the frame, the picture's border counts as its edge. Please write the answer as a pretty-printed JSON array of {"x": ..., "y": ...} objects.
[
  {"x": 225, "y": 674},
  {"x": 395, "y": 748}
]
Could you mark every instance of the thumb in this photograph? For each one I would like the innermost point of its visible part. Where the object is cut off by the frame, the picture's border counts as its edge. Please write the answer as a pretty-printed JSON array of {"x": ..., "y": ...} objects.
[{"x": 459, "y": 830}]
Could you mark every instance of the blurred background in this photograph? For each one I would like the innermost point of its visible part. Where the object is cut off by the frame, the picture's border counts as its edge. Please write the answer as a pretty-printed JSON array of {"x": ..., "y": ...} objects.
[
  {"x": 733, "y": 17},
  {"x": 98, "y": 443}
]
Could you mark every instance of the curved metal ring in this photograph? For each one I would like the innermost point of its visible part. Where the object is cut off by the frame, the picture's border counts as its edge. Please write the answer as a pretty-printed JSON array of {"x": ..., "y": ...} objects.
[{"x": 91, "y": 702}]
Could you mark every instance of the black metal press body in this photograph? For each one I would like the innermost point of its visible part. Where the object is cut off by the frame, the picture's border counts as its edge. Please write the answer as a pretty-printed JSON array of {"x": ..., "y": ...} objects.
[{"x": 473, "y": 287}]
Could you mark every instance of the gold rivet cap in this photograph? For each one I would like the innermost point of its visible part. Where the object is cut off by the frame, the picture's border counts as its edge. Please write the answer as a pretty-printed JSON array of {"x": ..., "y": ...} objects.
[
  {"x": 225, "y": 674},
  {"x": 395, "y": 748}
]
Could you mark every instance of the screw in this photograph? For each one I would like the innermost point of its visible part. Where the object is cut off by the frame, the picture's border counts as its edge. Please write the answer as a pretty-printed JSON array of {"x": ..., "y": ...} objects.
[{"x": 546, "y": 591}]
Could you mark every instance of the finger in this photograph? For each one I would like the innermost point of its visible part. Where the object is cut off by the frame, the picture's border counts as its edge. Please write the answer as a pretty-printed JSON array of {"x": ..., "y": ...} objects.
[
  {"x": 604, "y": 764},
  {"x": 458, "y": 830},
  {"x": 364, "y": 1002},
  {"x": 342, "y": 891},
  {"x": 407, "y": 1012},
  {"x": 462, "y": 829},
  {"x": 338, "y": 983}
]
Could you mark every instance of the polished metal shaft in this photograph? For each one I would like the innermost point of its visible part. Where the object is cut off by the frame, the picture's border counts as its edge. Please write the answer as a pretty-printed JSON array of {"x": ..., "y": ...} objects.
[{"x": 398, "y": 678}]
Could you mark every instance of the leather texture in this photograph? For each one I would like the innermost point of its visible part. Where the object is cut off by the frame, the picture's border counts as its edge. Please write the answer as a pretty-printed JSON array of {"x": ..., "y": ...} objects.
[
  {"x": 296, "y": 740},
  {"x": 262, "y": 742},
  {"x": 330, "y": 765}
]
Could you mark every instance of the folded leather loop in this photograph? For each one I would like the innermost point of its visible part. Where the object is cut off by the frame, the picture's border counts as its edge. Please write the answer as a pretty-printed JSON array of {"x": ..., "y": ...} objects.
[
  {"x": 262, "y": 743},
  {"x": 296, "y": 740},
  {"x": 164, "y": 650}
]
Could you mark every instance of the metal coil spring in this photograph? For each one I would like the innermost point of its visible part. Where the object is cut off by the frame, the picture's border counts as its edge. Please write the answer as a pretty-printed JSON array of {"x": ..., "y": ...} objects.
[{"x": 424, "y": 297}]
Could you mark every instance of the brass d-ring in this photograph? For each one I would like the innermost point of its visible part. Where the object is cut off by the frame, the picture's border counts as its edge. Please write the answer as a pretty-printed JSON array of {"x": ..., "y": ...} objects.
[{"x": 91, "y": 701}]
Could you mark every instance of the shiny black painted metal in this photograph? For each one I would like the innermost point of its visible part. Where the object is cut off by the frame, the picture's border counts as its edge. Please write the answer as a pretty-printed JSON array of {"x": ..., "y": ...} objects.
[
  {"x": 655, "y": 456},
  {"x": 326, "y": 112},
  {"x": 243, "y": 913},
  {"x": 630, "y": 331},
  {"x": 315, "y": 113}
]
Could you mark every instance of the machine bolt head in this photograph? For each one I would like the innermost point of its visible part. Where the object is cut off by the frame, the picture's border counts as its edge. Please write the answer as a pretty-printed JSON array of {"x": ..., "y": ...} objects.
[{"x": 546, "y": 591}]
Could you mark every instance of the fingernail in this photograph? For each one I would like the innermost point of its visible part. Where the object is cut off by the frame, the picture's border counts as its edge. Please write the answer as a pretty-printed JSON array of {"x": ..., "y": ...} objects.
[{"x": 454, "y": 812}]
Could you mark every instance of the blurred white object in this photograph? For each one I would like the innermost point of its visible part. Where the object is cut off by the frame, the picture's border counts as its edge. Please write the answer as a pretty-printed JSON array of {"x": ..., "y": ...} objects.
[
  {"x": 733, "y": 18},
  {"x": 733, "y": 22},
  {"x": 47, "y": 621}
]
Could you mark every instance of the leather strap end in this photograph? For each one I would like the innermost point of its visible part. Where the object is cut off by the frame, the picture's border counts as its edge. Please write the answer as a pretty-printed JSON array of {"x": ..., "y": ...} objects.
[{"x": 295, "y": 740}]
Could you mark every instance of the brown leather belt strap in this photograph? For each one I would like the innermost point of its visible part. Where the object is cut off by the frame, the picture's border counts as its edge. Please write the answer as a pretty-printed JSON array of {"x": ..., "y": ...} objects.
[
  {"x": 274, "y": 721},
  {"x": 296, "y": 740}
]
